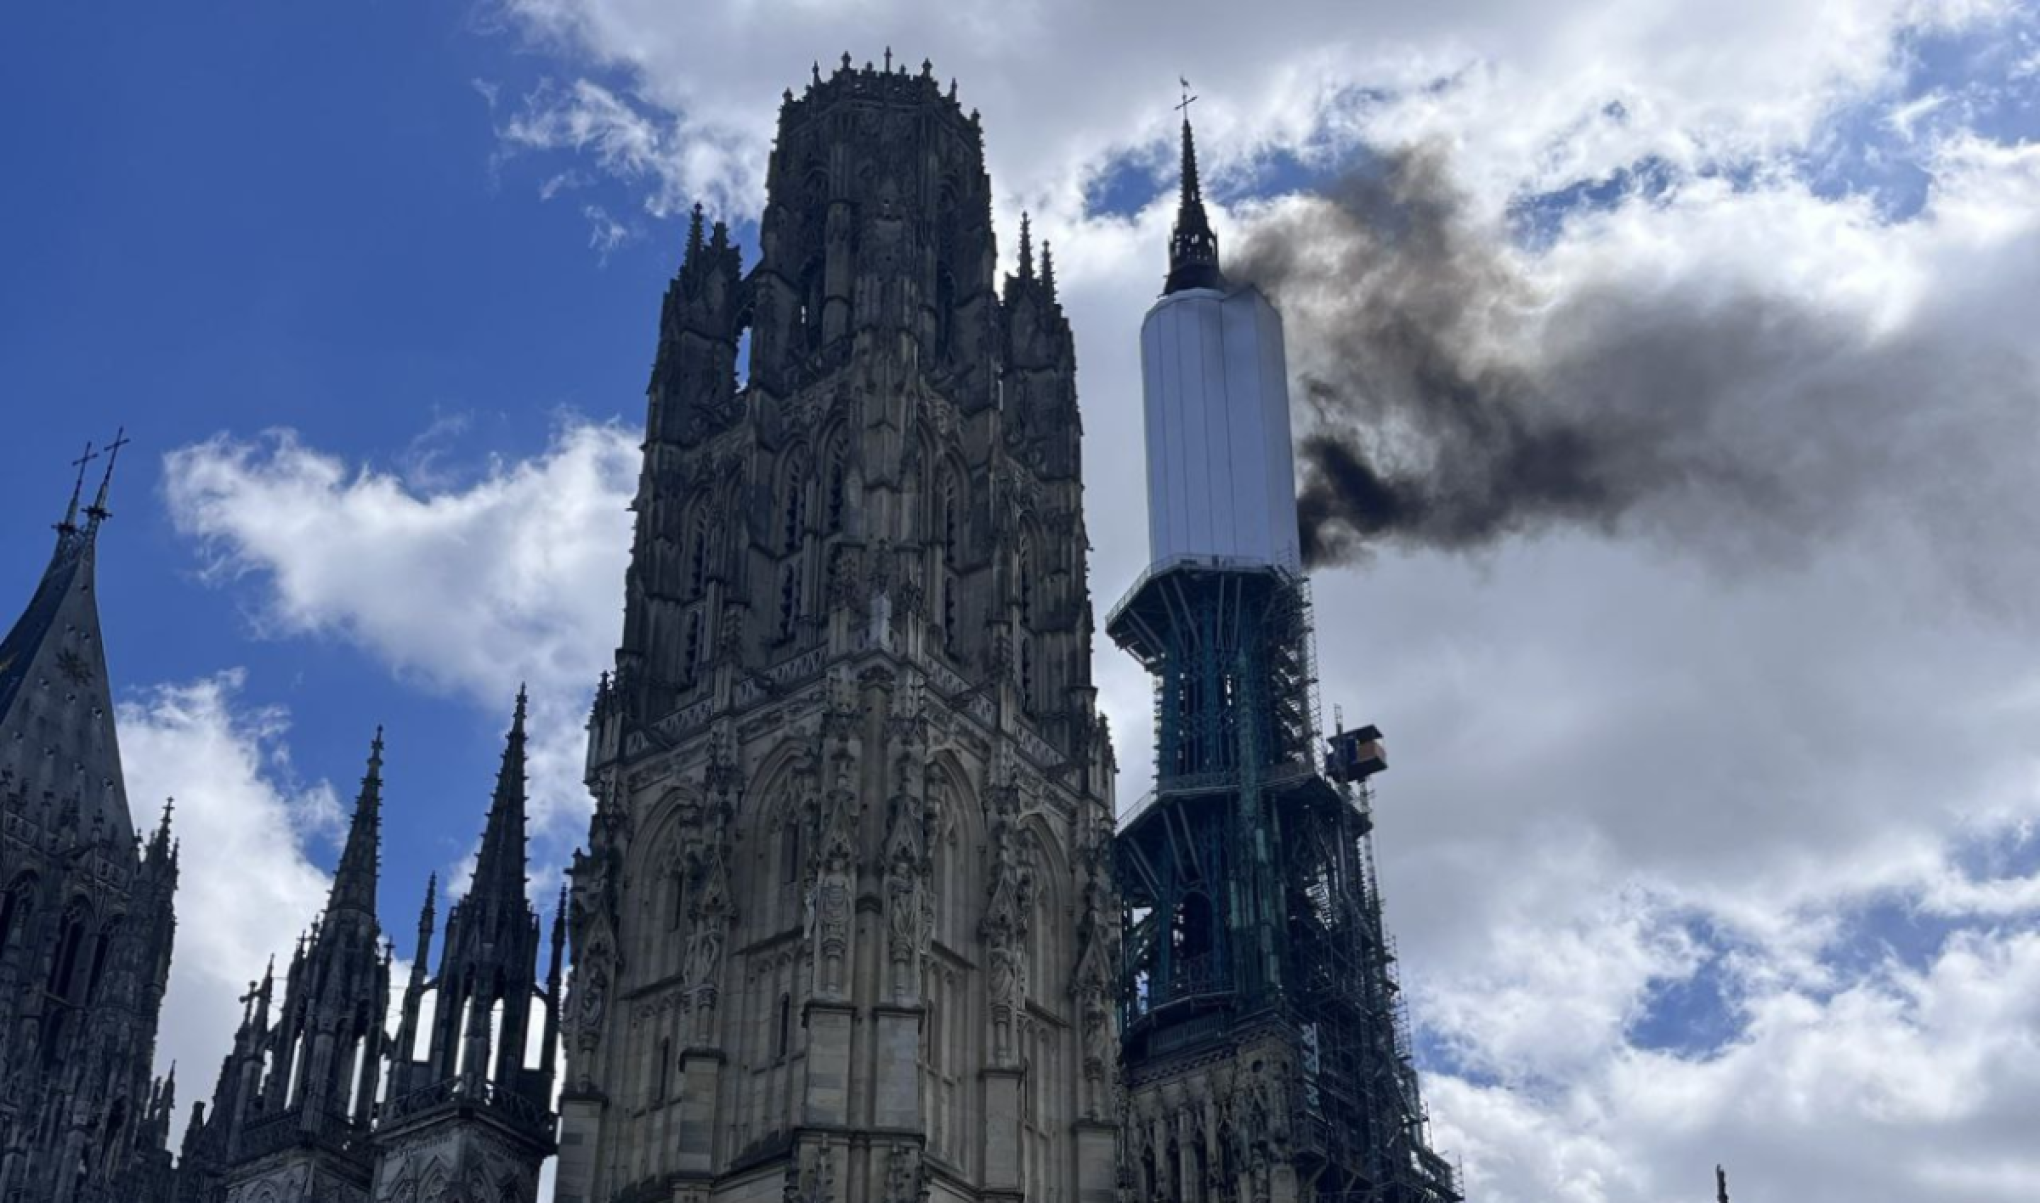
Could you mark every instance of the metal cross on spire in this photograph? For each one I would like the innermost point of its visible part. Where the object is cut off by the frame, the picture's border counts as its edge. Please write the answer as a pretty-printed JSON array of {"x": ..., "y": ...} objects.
[
  {"x": 1188, "y": 99},
  {"x": 70, "y": 521},
  {"x": 98, "y": 511}
]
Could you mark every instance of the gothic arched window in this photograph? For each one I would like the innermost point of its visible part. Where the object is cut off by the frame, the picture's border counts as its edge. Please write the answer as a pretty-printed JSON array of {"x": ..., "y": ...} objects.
[
  {"x": 793, "y": 505},
  {"x": 837, "y": 484},
  {"x": 789, "y": 851},
  {"x": 64, "y": 966},
  {"x": 948, "y": 517},
  {"x": 690, "y": 663},
  {"x": 1026, "y": 670},
  {"x": 782, "y": 1041},
  {"x": 789, "y": 601},
  {"x": 697, "y": 553},
  {"x": 1023, "y": 573}
]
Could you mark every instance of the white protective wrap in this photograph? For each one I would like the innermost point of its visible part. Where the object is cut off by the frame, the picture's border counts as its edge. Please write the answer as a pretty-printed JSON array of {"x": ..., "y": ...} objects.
[{"x": 1221, "y": 473}]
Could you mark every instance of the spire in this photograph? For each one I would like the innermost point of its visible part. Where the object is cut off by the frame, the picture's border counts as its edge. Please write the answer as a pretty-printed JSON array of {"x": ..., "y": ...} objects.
[
  {"x": 1720, "y": 1185},
  {"x": 1193, "y": 248},
  {"x": 159, "y": 843},
  {"x": 70, "y": 522},
  {"x": 56, "y": 703},
  {"x": 354, "y": 881},
  {"x": 499, "y": 867},
  {"x": 98, "y": 512},
  {"x": 1026, "y": 248},
  {"x": 694, "y": 242},
  {"x": 427, "y": 920},
  {"x": 552, "y": 988},
  {"x": 1047, "y": 269}
]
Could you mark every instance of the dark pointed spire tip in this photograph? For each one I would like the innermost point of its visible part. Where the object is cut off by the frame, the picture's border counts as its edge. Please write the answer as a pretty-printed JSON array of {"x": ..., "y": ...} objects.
[
  {"x": 70, "y": 522},
  {"x": 99, "y": 512}
]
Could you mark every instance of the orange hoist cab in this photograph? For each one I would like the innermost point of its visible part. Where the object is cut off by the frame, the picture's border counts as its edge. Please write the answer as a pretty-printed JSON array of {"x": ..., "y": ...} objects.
[{"x": 1356, "y": 755}]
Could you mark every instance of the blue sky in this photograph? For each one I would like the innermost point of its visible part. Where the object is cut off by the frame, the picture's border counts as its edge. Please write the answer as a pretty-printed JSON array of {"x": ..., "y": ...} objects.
[
  {"x": 1688, "y": 816},
  {"x": 239, "y": 217}
]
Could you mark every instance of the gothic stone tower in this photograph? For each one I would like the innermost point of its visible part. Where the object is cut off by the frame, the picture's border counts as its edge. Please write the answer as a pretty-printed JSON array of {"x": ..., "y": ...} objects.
[
  {"x": 315, "y": 1103},
  {"x": 1266, "y": 1057},
  {"x": 843, "y": 927},
  {"x": 472, "y": 1119},
  {"x": 294, "y": 1101},
  {"x": 86, "y": 918}
]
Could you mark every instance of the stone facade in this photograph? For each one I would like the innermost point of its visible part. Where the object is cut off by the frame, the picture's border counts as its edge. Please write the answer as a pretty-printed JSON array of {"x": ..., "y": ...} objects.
[
  {"x": 319, "y": 1103},
  {"x": 86, "y": 910},
  {"x": 841, "y": 929}
]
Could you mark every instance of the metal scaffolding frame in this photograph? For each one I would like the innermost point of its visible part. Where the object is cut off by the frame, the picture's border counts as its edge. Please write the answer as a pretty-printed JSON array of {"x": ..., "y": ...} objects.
[{"x": 1249, "y": 885}]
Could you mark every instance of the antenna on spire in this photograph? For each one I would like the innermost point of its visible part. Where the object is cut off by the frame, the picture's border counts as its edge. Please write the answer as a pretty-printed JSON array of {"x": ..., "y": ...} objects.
[
  {"x": 99, "y": 512},
  {"x": 70, "y": 522}
]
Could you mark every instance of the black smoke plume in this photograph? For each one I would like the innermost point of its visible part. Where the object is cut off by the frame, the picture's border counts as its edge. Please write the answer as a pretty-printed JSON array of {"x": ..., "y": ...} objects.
[{"x": 1451, "y": 397}]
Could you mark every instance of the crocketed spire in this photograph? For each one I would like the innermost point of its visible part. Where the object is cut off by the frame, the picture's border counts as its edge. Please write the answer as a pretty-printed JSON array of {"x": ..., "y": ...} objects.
[
  {"x": 499, "y": 867},
  {"x": 1193, "y": 248},
  {"x": 354, "y": 882}
]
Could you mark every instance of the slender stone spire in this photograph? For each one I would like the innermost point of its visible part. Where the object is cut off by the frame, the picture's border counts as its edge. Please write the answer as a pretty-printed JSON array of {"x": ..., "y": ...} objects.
[
  {"x": 1047, "y": 269},
  {"x": 354, "y": 883},
  {"x": 1026, "y": 248},
  {"x": 549, "y": 1049},
  {"x": 694, "y": 240},
  {"x": 1720, "y": 1185},
  {"x": 499, "y": 867},
  {"x": 1193, "y": 248},
  {"x": 428, "y": 917}
]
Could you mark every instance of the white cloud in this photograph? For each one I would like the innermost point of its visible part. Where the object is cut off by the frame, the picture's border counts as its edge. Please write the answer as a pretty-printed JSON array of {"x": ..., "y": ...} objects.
[
  {"x": 238, "y": 805},
  {"x": 1624, "y": 766},
  {"x": 469, "y": 590}
]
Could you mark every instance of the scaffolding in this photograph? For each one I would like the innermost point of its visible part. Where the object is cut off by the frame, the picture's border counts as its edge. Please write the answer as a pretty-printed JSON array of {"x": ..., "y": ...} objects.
[{"x": 1248, "y": 880}]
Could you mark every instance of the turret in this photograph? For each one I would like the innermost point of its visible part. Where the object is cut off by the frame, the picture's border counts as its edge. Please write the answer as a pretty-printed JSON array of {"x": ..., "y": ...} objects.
[
  {"x": 1193, "y": 247},
  {"x": 484, "y": 987}
]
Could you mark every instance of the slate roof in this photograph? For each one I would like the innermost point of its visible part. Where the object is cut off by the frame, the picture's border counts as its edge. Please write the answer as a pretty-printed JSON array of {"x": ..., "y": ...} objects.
[{"x": 56, "y": 702}]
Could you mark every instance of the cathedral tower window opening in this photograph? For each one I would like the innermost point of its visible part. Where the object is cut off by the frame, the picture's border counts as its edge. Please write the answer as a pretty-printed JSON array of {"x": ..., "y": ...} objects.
[
  {"x": 64, "y": 967},
  {"x": 837, "y": 482},
  {"x": 690, "y": 662},
  {"x": 789, "y": 601},
  {"x": 782, "y": 1037},
  {"x": 698, "y": 538},
  {"x": 789, "y": 850},
  {"x": 100, "y": 949},
  {"x": 16, "y": 909},
  {"x": 676, "y": 911},
  {"x": 793, "y": 503}
]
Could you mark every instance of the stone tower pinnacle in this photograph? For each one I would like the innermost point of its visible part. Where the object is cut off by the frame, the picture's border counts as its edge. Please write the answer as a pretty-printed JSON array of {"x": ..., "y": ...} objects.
[
  {"x": 467, "y": 1108},
  {"x": 354, "y": 881},
  {"x": 1193, "y": 247}
]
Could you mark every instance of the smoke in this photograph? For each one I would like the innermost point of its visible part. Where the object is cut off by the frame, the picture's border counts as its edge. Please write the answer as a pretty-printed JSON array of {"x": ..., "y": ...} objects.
[{"x": 1455, "y": 395}]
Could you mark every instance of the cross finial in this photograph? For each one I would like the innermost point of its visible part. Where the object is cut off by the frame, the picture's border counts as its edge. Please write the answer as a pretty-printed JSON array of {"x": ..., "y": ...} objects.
[
  {"x": 120, "y": 439},
  {"x": 70, "y": 521},
  {"x": 1188, "y": 99}
]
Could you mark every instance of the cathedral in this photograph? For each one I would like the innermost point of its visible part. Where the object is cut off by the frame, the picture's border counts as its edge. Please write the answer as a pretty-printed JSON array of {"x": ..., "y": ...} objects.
[
  {"x": 844, "y": 928},
  {"x": 856, "y": 920},
  {"x": 318, "y": 1101}
]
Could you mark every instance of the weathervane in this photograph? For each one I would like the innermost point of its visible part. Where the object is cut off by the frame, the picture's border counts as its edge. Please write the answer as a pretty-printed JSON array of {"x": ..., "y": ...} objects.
[{"x": 1184, "y": 107}]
